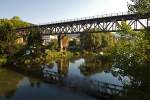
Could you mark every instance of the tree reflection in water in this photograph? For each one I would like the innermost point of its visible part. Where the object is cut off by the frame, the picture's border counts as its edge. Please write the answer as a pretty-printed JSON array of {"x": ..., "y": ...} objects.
[
  {"x": 93, "y": 66},
  {"x": 137, "y": 75},
  {"x": 11, "y": 82},
  {"x": 138, "y": 79},
  {"x": 8, "y": 82}
]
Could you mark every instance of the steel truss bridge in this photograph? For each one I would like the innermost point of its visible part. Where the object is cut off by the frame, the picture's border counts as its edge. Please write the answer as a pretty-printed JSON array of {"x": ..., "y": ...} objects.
[{"x": 94, "y": 24}]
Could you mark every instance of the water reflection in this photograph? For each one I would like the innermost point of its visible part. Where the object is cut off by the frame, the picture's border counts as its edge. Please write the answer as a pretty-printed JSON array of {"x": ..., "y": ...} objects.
[
  {"x": 93, "y": 66},
  {"x": 138, "y": 82},
  {"x": 9, "y": 81},
  {"x": 85, "y": 74},
  {"x": 135, "y": 78},
  {"x": 88, "y": 75},
  {"x": 63, "y": 66},
  {"x": 14, "y": 86}
]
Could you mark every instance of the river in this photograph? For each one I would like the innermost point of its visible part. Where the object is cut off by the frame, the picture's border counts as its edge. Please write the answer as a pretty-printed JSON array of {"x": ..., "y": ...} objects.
[{"x": 83, "y": 78}]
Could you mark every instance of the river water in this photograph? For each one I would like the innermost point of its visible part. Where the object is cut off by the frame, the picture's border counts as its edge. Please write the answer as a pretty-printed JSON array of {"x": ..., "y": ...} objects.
[{"x": 83, "y": 78}]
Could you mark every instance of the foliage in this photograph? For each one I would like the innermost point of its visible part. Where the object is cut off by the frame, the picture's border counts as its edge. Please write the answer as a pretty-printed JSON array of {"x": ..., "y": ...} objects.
[
  {"x": 3, "y": 59},
  {"x": 9, "y": 80},
  {"x": 53, "y": 44},
  {"x": 53, "y": 54},
  {"x": 15, "y": 18},
  {"x": 93, "y": 66},
  {"x": 90, "y": 41},
  {"x": 125, "y": 29},
  {"x": 73, "y": 45},
  {"x": 17, "y": 22},
  {"x": 132, "y": 56},
  {"x": 8, "y": 34},
  {"x": 140, "y": 6},
  {"x": 94, "y": 41},
  {"x": 35, "y": 38},
  {"x": 130, "y": 48},
  {"x": 131, "y": 61}
]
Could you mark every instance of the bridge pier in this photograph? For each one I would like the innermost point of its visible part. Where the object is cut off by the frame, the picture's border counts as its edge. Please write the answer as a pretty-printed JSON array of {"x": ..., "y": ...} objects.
[
  {"x": 63, "y": 42},
  {"x": 21, "y": 40}
]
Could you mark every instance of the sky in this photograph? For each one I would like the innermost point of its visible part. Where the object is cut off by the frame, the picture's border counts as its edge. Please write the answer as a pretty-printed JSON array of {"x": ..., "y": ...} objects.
[{"x": 44, "y": 11}]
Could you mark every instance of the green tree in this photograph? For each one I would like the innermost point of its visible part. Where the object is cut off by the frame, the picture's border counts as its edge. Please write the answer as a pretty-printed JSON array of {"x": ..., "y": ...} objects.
[
  {"x": 73, "y": 45},
  {"x": 8, "y": 36},
  {"x": 142, "y": 6},
  {"x": 93, "y": 41},
  {"x": 6, "y": 30},
  {"x": 131, "y": 60},
  {"x": 54, "y": 44},
  {"x": 35, "y": 38},
  {"x": 17, "y": 22},
  {"x": 131, "y": 47},
  {"x": 16, "y": 18},
  {"x": 90, "y": 41},
  {"x": 139, "y": 6}
]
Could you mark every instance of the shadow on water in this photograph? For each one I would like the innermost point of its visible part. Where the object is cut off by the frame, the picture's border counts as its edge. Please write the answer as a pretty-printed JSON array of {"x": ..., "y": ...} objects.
[
  {"x": 75, "y": 76},
  {"x": 8, "y": 82},
  {"x": 100, "y": 79},
  {"x": 137, "y": 81},
  {"x": 15, "y": 86},
  {"x": 87, "y": 67}
]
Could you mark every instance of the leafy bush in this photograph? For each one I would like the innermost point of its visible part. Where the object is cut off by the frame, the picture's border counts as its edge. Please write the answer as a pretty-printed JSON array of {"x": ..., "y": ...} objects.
[{"x": 3, "y": 59}]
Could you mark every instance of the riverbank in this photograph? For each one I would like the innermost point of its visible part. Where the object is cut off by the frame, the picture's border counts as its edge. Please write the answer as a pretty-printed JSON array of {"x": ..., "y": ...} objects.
[{"x": 32, "y": 56}]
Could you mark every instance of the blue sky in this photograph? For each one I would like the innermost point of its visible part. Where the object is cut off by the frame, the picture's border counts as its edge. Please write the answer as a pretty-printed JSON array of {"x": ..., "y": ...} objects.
[{"x": 43, "y": 11}]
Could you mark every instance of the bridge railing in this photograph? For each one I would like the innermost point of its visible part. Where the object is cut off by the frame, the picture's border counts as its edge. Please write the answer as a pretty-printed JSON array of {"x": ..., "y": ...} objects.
[{"x": 90, "y": 17}]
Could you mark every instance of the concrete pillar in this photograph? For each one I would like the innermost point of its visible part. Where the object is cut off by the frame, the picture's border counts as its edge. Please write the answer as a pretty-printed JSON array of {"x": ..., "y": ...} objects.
[
  {"x": 63, "y": 42},
  {"x": 60, "y": 43}
]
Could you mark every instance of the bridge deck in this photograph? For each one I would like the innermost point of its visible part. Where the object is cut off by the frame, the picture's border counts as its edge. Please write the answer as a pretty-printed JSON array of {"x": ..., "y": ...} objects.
[{"x": 94, "y": 24}]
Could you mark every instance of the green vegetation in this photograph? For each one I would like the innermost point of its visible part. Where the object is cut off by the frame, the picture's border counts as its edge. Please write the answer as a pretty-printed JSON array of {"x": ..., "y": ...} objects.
[
  {"x": 35, "y": 38},
  {"x": 8, "y": 46},
  {"x": 128, "y": 55},
  {"x": 9, "y": 81},
  {"x": 93, "y": 66},
  {"x": 131, "y": 47},
  {"x": 53, "y": 54},
  {"x": 53, "y": 45},
  {"x": 96, "y": 41},
  {"x": 3, "y": 59},
  {"x": 132, "y": 56},
  {"x": 139, "y": 6},
  {"x": 74, "y": 45}
]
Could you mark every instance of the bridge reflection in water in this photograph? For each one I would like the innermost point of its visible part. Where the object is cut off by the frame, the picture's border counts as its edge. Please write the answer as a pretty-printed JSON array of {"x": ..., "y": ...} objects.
[
  {"x": 96, "y": 78},
  {"x": 92, "y": 87}
]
